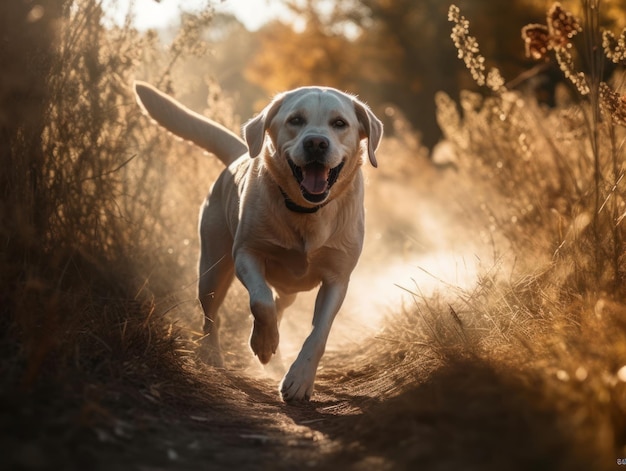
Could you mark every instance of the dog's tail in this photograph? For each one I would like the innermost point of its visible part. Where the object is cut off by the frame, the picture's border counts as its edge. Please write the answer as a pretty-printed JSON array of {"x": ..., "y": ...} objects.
[{"x": 187, "y": 124}]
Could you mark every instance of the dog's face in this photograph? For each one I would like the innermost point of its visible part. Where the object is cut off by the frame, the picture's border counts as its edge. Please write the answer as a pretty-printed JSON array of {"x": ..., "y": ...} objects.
[{"x": 314, "y": 147}]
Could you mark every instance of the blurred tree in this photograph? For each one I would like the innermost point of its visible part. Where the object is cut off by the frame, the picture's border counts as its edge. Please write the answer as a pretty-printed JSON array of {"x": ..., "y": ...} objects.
[
  {"x": 230, "y": 47},
  {"x": 394, "y": 52},
  {"x": 288, "y": 58},
  {"x": 28, "y": 40},
  {"x": 422, "y": 59}
]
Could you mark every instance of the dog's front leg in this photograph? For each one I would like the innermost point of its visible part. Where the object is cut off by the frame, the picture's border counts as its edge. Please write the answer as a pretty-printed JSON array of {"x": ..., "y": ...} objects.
[
  {"x": 298, "y": 382},
  {"x": 250, "y": 269}
]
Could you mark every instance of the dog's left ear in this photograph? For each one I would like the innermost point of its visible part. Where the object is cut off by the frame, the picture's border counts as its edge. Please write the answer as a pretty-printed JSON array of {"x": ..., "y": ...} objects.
[
  {"x": 372, "y": 129},
  {"x": 254, "y": 130}
]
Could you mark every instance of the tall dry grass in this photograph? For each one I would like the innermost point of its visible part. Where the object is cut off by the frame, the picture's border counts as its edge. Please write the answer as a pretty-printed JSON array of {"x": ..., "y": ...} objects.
[
  {"x": 97, "y": 218},
  {"x": 558, "y": 170},
  {"x": 543, "y": 331}
]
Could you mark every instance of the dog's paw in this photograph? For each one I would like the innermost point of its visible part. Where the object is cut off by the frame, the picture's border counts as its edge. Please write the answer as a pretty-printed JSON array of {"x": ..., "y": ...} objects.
[
  {"x": 264, "y": 340},
  {"x": 297, "y": 385}
]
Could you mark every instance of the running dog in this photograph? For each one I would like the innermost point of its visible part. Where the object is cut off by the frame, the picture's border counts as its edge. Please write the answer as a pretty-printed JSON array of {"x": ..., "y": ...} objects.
[{"x": 285, "y": 216}]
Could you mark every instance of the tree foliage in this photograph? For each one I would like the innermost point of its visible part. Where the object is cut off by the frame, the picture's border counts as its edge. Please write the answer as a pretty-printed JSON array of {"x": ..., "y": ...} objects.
[{"x": 395, "y": 53}]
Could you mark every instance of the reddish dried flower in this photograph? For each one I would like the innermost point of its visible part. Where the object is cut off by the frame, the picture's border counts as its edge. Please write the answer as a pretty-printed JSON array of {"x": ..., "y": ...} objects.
[
  {"x": 539, "y": 39},
  {"x": 562, "y": 25},
  {"x": 536, "y": 40}
]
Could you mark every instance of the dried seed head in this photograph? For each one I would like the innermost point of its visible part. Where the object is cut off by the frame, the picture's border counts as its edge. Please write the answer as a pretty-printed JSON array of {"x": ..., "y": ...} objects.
[
  {"x": 495, "y": 81},
  {"x": 562, "y": 25},
  {"x": 613, "y": 104},
  {"x": 566, "y": 64},
  {"x": 536, "y": 40},
  {"x": 614, "y": 48}
]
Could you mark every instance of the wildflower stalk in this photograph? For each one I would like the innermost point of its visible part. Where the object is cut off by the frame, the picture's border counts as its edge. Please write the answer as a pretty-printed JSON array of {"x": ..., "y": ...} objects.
[
  {"x": 593, "y": 51},
  {"x": 595, "y": 208},
  {"x": 468, "y": 49}
]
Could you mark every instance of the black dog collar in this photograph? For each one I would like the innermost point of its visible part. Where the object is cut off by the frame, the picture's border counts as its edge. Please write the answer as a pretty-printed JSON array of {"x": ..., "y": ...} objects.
[{"x": 296, "y": 208}]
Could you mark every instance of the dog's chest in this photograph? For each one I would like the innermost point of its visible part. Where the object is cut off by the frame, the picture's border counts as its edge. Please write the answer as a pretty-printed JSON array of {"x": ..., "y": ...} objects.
[
  {"x": 288, "y": 263},
  {"x": 293, "y": 270},
  {"x": 299, "y": 255}
]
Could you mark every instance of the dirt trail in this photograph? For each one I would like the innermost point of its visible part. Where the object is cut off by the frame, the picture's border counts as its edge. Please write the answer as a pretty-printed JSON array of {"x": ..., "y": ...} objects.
[
  {"x": 374, "y": 408},
  {"x": 203, "y": 419},
  {"x": 226, "y": 419},
  {"x": 233, "y": 418}
]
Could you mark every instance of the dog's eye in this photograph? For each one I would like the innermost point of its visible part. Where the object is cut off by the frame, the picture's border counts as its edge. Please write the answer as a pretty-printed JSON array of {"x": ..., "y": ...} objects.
[
  {"x": 296, "y": 121},
  {"x": 339, "y": 123}
]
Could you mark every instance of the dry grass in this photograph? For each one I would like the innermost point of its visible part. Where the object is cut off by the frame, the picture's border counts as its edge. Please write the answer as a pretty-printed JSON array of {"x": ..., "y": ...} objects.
[
  {"x": 97, "y": 220},
  {"x": 536, "y": 348}
]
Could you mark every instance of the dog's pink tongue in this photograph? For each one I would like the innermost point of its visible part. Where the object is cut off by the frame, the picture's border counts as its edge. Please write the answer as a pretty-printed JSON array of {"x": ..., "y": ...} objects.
[{"x": 315, "y": 178}]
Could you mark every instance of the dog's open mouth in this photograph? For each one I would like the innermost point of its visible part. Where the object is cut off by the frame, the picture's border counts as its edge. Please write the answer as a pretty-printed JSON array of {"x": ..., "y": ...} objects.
[{"x": 315, "y": 179}]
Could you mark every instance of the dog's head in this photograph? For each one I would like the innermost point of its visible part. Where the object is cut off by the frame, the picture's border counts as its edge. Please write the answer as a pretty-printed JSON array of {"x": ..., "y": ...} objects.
[{"x": 314, "y": 147}]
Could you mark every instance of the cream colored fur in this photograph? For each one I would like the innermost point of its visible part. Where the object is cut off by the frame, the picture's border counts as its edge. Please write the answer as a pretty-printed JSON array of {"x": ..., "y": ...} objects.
[{"x": 247, "y": 230}]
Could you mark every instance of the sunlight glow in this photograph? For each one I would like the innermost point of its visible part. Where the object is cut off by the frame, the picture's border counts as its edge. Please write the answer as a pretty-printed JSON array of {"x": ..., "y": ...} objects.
[
  {"x": 150, "y": 14},
  {"x": 376, "y": 292}
]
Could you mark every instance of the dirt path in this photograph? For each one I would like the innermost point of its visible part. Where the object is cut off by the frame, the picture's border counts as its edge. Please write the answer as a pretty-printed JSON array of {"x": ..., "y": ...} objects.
[
  {"x": 387, "y": 415},
  {"x": 379, "y": 404},
  {"x": 226, "y": 420}
]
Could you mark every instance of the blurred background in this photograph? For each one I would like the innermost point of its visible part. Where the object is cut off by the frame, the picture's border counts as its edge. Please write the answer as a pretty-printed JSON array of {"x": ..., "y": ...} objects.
[{"x": 395, "y": 54}]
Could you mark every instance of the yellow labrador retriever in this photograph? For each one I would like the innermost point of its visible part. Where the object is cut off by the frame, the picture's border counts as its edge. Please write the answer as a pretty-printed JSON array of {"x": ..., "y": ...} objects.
[{"x": 285, "y": 216}]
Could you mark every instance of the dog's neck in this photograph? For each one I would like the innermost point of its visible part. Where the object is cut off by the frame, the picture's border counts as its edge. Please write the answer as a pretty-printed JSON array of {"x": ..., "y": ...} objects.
[{"x": 296, "y": 208}]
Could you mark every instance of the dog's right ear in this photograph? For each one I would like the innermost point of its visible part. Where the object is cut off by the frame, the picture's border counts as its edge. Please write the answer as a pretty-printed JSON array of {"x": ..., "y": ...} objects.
[{"x": 255, "y": 129}]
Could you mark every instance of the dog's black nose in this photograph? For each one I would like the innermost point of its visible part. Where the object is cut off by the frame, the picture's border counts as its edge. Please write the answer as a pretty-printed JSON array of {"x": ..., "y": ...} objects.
[{"x": 316, "y": 146}]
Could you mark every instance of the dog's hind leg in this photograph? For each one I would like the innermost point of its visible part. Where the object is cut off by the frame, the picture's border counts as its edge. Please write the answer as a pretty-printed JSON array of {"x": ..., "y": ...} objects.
[
  {"x": 212, "y": 288},
  {"x": 216, "y": 273},
  {"x": 283, "y": 301}
]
